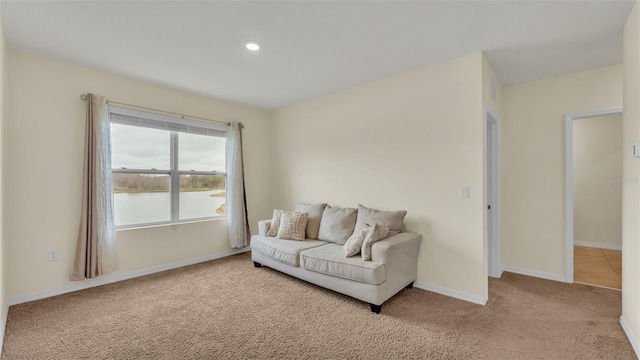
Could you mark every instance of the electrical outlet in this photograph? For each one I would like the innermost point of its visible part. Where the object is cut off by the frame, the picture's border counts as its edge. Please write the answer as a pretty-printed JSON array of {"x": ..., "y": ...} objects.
[
  {"x": 53, "y": 254},
  {"x": 420, "y": 251},
  {"x": 464, "y": 192}
]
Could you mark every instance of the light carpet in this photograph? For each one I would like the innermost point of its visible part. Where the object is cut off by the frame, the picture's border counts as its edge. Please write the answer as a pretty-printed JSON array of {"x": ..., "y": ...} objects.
[{"x": 227, "y": 309}]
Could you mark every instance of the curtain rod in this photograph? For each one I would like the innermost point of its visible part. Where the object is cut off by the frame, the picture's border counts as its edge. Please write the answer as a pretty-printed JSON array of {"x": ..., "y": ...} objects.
[{"x": 84, "y": 97}]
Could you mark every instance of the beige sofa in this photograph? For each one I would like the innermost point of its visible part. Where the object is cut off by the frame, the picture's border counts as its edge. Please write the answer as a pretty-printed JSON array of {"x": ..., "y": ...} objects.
[{"x": 393, "y": 264}]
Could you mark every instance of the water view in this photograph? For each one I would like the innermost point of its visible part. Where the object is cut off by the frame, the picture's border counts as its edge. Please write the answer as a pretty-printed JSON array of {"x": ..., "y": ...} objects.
[{"x": 148, "y": 207}]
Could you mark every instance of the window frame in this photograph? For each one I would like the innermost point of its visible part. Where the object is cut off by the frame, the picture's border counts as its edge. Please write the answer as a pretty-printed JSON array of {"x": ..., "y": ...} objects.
[{"x": 169, "y": 124}]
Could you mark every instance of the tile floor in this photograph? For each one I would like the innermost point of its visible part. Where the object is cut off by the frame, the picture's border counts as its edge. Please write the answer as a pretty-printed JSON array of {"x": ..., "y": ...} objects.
[{"x": 598, "y": 267}]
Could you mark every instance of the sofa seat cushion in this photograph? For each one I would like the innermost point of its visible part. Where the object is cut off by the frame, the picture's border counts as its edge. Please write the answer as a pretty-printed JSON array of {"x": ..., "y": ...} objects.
[
  {"x": 329, "y": 259},
  {"x": 284, "y": 251}
]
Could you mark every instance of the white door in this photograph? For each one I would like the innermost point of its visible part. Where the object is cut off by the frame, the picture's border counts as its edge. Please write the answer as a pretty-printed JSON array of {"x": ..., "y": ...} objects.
[{"x": 493, "y": 188}]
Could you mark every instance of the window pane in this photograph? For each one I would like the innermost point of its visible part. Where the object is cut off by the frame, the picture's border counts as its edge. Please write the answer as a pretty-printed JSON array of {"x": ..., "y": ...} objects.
[
  {"x": 201, "y": 152},
  {"x": 140, "y": 198},
  {"x": 202, "y": 196},
  {"x": 134, "y": 147}
]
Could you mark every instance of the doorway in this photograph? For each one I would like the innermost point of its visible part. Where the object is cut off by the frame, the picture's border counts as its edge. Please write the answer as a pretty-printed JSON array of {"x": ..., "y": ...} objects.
[
  {"x": 492, "y": 193},
  {"x": 594, "y": 198}
]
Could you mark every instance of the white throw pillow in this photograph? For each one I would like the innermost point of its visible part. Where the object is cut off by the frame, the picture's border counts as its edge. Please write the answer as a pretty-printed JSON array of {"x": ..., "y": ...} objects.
[
  {"x": 354, "y": 243},
  {"x": 315, "y": 215},
  {"x": 293, "y": 226},
  {"x": 337, "y": 224},
  {"x": 377, "y": 233},
  {"x": 384, "y": 231},
  {"x": 275, "y": 223}
]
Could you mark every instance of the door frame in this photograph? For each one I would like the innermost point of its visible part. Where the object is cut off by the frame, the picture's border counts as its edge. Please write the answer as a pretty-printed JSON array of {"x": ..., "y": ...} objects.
[
  {"x": 568, "y": 160},
  {"x": 493, "y": 251}
]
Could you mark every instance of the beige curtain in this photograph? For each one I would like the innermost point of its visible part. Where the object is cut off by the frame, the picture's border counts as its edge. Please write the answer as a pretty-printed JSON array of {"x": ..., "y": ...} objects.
[
  {"x": 96, "y": 249},
  {"x": 239, "y": 233}
]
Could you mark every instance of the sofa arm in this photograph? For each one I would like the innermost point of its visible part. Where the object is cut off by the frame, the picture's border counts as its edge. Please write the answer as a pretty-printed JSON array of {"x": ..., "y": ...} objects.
[
  {"x": 399, "y": 253},
  {"x": 263, "y": 227}
]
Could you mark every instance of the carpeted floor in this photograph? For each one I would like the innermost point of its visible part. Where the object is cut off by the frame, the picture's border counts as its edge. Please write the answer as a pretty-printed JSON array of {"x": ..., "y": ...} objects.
[{"x": 227, "y": 309}]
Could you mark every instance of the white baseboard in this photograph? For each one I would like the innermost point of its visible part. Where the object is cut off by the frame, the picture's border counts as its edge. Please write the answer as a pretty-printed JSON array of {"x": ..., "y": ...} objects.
[
  {"x": 120, "y": 277},
  {"x": 451, "y": 293},
  {"x": 538, "y": 274},
  {"x": 632, "y": 338},
  {"x": 598, "y": 245}
]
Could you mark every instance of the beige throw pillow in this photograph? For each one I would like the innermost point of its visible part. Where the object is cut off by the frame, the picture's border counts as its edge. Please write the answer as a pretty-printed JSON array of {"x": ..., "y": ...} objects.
[
  {"x": 315, "y": 214},
  {"x": 395, "y": 219},
  {"x": 337, "y": 224},
  {"x": 384, "y": 231},
  {"x": 293, "y": 226},
  {"x": 275, "y": 223},
  {"x": 376, "y": 233},
  {"x": 354, "y": 243}
]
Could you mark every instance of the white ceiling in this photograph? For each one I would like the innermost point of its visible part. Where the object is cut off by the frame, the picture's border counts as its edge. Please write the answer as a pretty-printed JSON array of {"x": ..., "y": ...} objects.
[{"x": 314, "y": 48}]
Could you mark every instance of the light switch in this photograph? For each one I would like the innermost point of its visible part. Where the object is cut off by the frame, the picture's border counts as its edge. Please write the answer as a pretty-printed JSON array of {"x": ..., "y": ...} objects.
[
  {"x": 53, "y": 254},
  {"x": 464, "y": 192}
]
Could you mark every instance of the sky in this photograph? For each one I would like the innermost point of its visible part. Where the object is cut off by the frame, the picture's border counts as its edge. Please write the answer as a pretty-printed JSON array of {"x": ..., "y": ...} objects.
[{"x": 135, "y": 147}]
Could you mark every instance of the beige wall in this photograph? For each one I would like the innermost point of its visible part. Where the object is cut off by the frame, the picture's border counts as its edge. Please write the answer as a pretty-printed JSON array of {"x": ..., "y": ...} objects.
[
  {"x": 533, "y": 196},
  {"x": 406, "y": 142},
  {"x": 631, "y": 171},
  {"x": 597, "y": 172},
  {"x": 43, "y": 150}
]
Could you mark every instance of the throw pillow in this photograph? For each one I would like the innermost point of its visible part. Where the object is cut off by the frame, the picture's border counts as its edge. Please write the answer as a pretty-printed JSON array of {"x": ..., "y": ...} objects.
[
  {"x": 384, "y": 231},
  {"x": 275, "y": 223},
  {"x": 337, "y": 224},
  {"x": 315, "y": 214},
  {"x": 395, "y": 219},
  {"x": 293, "y": 225},
  {"x": 375, "y": 234},
  {"x": 354, "y": 243}
]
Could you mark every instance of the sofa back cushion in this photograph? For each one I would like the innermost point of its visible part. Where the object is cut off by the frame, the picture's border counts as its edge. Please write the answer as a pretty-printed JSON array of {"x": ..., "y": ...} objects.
[
  {"x": 337, "y": 224},
  {"x": 393, "y": 219},
  {"x": 315, "y": 215}
]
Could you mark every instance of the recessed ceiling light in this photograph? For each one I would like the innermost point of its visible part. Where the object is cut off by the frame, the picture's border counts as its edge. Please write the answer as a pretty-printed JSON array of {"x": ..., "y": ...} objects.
[{"x": 253, "y": 45}]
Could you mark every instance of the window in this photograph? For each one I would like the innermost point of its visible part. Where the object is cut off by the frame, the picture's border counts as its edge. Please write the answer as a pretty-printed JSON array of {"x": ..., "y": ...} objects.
[{"x": 166, "y": 169}]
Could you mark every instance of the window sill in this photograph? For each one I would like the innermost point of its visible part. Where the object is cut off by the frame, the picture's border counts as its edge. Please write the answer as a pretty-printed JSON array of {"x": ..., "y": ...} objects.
[{"x": 165, "y": 224}]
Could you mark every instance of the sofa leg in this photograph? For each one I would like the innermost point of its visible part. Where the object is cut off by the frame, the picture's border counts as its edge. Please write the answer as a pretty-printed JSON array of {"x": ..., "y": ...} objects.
[
  {"x": 257, "y": 264},
  {"x": 410, "y": 286},
  {"x": 376, "y": 308}
]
